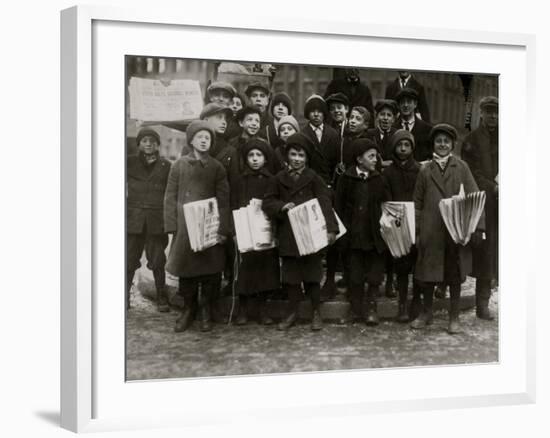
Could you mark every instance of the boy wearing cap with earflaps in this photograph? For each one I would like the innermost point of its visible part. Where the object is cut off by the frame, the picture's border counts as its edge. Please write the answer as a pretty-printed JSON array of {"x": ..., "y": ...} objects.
[
  {"x": 400, "y": 179},
  {"x": 288, "y": 126},
  {"x": 147, "y": 176},
  {"x": 258, "y": 272},
  {"x": 281, "y": 106},
  {"x": 291, "y": 187},
  {"x": 480, "y": 151},
  {"x": 359, "y": 196},
  {"x": 195, "y": 177},
  {"x": 440, "y": 259}
]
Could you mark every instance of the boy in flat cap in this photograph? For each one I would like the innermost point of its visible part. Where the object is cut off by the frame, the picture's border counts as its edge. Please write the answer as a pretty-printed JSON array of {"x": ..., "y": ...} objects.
[
  {"x": 338, "y": 107},
  {"x": 218, "y": 116},
  {"x": 147, "y": 176},
  {"x": 258, "y": 96},
  {"x": 195, "y": 177},
  {"x": 291, "y": 187},
  {"x": 480, "y": 151},
  {"x": 220, "y": 92},
  {"x": 400, "y": 178},
  {"x": 386, "y": 115},
  {"x": 407, "y": 100},
  {"x": 440, "y": 259},
  {"x": 405, "y": 79},
  {"x": 359, "y": 196}
]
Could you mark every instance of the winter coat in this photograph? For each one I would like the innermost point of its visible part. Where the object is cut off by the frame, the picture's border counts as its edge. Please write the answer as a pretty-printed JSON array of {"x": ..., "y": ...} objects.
[
  {"x": 401, "y": 179},
  {"x": 423, "y": 150},
  {"x": 482, "y": 157},
  {"x": 395, "y": 87},
  {"x": 236, "y": 162},
  {"x": 281, "y": 190},
  {"x": 383, "y": 144},
  {"x": 359, "y": 205},
  {"x": 431, "y": 187},
  {"x": 192, "y": 180},
  {"x": 145, "y": 194},
  {"x": 324, "y": 154}
]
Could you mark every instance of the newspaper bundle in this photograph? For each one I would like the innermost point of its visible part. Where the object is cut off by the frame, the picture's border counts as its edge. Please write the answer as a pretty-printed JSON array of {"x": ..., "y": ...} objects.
[
  {"x": 253, "y": 229},
  {"x": 310, "y": 228},
  {"x": 203, "y": 223},
  {"x": 397, "y": 227},
  {"x": 461, "y": 214}
]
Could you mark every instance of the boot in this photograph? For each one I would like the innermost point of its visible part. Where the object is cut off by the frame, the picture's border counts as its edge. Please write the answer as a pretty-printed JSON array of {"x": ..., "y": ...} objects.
[
  {"x": 371, "y": 318},
  {"x": 389, "y": 292},
  {"x": 328, "y": 291},
  {"x": 402, "y": 312},
  {"x": 263, "y": 316},
  {"x": 204, "y": 308},
  {"x": 402, "y": 284},
  {"x": 454, "y": 310},
  {"x": 294, "y": 302},
  {"x": 184, "y": 321},
  {"x": 162, "y": 300},
  {"x": 242, "y": 317},
  {"x": 316, "y": 321},
  {"x": 426, "y": 314},
  {"x": 483, "y": 294}
]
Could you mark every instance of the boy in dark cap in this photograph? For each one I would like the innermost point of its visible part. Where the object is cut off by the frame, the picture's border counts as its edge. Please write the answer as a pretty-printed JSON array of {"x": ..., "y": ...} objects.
[
  {"x": 291, "y": 187},
  {"x": 281, "y": 106},
  {"x": 405, "y": 79},
  {"x": 338, "y": 106},
  {"x": 400, "y": 178},
  {"x": 218, "y": 116},
  {"x": 220, "y": 92},
  {"x": 480, "y": 151},
  {"x": 407, "y": 100},
  {"x": 195, "y": 177},
  {"x": 359, "y": 196},
  {"x": 386, "y": 115},
  {"x": 258, "y": 96},
  {"x": 147, "y": 176}
]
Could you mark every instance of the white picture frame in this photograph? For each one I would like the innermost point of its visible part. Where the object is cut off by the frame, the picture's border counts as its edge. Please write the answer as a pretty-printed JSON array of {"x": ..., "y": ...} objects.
[{"x": 93, "y": 395}]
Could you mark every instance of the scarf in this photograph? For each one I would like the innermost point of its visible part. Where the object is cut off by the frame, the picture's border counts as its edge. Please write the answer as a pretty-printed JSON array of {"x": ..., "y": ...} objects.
[
  {"x": 149, "y": 159},
  {"x": 442, "y": 161}
]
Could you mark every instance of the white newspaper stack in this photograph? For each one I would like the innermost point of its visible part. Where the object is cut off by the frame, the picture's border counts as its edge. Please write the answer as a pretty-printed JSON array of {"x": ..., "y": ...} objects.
[
  {"x": 461, "y": 214},
  {"x": 252, "y": 228},
  {"x": 397, "y": 227},
  {"x": 203, "y": 223},
  {"x": 310, "y": 228}
]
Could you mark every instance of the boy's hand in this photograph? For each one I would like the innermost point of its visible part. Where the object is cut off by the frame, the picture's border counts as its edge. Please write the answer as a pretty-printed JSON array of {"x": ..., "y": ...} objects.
[
  {"x": 331, "y": 238},
  {"x": 288, "y": 206}
]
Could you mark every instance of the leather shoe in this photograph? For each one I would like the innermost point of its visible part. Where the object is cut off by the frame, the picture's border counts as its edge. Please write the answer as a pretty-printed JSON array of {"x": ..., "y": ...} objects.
[
  {"x": 316, "y": 321},
  {"x": 288, "y": 322}
]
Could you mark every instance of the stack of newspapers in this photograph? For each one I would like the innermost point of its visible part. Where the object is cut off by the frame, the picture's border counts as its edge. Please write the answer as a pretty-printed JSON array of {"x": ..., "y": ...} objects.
[
  {"x": 310, "y": 228},
  {"x": 461, "y": 214},
  {"x": 397, "y": 227},
  {"x": 203, "y": 223},
  {"x": 252, "y": 228}
]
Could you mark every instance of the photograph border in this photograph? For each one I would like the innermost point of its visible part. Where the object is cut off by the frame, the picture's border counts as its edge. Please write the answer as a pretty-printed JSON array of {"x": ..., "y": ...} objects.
[{"x": 78, "y": 197}]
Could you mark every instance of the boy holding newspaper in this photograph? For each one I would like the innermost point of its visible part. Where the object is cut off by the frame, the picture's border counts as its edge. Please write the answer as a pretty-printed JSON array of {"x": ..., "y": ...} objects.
[{"x": 289, "y": 188}]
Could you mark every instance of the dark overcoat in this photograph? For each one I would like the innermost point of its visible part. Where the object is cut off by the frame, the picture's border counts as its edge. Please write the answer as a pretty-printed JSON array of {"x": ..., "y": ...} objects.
[
  {"x": 395, "y": 87},
  {"x": 401, "y": 179},
  {"x": 236, "y": 164},
  {"x": 281, "y": 190},
  {"x": 481, "y": 154},
  {"x": 421, "y": 132},
  {"x": 431, "y": 187},
  {"x": 358, "y": 203},
  {"x": 383, "y": 143},
  {"x": 324, "y": 154},
  {"x": 358, "y": 94},
  {"x": 145, "y": 194},
  {"x": 192, "y": 180},
  {"x": 258, "y": 270}
]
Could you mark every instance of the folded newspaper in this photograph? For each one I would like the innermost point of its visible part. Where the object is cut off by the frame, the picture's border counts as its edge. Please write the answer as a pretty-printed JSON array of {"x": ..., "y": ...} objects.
[
  {"x": 253, "y": 229},
  {"x": 461, "y": 214},
  {"x": 310, "y": 228},
  {"x": 397, "y": 227},
  {"x": 203, "y": 223}
]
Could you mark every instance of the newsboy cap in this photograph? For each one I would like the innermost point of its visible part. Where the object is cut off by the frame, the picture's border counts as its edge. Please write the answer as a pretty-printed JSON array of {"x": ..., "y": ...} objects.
[
  {"x": 299, "y": 141},
  {"x": 361, "y": 145},
  {"x": 337, "y": 98},
  {"x": 214, "y": 108},
  {"x": 255, "y": 86},
  {"x": 446, "y": 128},
  {"x": 315, "y": 102},
  {"x": 143, "y": 132},
  {"x": 220, "y": 85},
  {"x": 386, "y": 103},
  {"x": 407, "y": 92},
  {"x": 488, "y": 101},
  {"x": 249, "y": 109}
]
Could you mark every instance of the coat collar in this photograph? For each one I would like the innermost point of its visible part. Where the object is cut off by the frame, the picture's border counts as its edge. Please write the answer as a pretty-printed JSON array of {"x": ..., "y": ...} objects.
[
  {"x": 193, "y": 161},
  {"x": 263, "y": 171},
  {"x": 351, "y": 172},
  {"x": 305, "y": 178},
  {"x": 438, "y": 178}
]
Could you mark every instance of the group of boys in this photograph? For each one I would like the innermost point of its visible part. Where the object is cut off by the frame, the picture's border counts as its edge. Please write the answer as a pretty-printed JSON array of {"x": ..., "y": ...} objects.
[{"x": 357, "y": 155}]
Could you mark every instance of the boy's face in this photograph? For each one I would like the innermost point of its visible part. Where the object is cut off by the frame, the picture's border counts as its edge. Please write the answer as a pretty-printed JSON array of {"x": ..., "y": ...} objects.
[
  {"x": 255, "y": 159},
  {"x": 222, "y": 96},
  {"x": 201, "y": 141},
  {"x": 280, "y": 110},
  {"x": 386, "y": 119},
  {"x": 367, "y": 161},
  {"x": 148, "y": 145},
  {"x": 489, "y": 115},
  {"x": 443, "y": 144},
  {"x": 403, "y": 74},
  {"x": 285, "y": 131},
  {"x": 407, "y": 106},
  {"x": 259, "y": 99},
  {"x": 250, "y": 124},
  {"x": 338, "y": 111},
  {"x": 316, "y": 117},
  {"x": 218, "y": 122},
  {"x": 236, "y": 105},
  {"x": 296, "y": 158},
  {"x": 357, "y": 122},
  {"x": 403, "y": 149}
]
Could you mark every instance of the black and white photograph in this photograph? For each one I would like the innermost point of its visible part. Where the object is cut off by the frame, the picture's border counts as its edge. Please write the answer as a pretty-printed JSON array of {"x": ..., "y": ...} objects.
[{"x": 285, "y": 218}]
